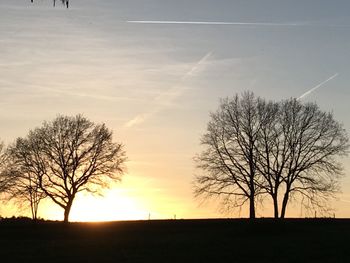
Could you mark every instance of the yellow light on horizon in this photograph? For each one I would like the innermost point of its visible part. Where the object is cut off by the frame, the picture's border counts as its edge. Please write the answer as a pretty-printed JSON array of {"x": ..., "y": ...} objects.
[{"x": 115, "y": 205}]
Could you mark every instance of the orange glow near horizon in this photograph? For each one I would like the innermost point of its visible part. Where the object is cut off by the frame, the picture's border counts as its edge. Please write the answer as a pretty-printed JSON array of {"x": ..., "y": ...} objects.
[
  {"x": 130, "y": 200},
  {"x": 98, "y": 209},
  {"x": 115, "y": 205},
  {"x": 112, "y": 206}
]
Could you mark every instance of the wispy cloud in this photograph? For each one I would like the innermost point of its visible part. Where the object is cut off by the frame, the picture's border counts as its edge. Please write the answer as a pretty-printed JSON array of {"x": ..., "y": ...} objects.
[
  {"x": 165, "y": 99},
  {"x": 213, "y": 23},
  {"x": 344, "y": 200},
  {"x": 93, "y": 96},
  {"x": 318, "y": 86}
]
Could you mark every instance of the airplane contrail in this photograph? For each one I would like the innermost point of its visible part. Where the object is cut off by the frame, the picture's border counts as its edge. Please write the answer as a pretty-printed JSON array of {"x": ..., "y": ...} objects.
[
  {"x": 196, "y": 66},
  {"x": 318, "y": 86},
  {"x": 169, "y": 96},
  {"x": 213, "y": 23}
]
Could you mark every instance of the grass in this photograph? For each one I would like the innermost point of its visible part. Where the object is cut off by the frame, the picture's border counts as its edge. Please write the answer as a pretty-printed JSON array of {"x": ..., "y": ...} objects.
[{"x": 221, "y": 240}]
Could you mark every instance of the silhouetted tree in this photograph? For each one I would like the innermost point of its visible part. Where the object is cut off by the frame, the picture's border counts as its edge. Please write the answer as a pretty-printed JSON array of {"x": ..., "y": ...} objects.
[
  {"x": 20, "y": 186},
  {"x": 228, "y": 159},
  {"x": 283, "y": 149},
  {"x": 314, "y": 142},
  {"x": 69, "y": 155},
  {"x": 23, "y": 187},
  {"x": 297, "y": 154},
  {"x": 269, "y": 152}
]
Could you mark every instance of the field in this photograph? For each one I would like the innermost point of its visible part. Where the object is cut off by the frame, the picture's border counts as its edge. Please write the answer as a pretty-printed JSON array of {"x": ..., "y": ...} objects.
[{"x": 220, "y": 240}]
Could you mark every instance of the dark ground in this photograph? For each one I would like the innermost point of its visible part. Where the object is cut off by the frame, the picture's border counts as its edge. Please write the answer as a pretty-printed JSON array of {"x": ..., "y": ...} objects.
[{"x": 236, "y": 240}]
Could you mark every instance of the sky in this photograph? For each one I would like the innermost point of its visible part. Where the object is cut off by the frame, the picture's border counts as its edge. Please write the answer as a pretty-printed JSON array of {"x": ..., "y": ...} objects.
[{"x": 153, "y": 70}]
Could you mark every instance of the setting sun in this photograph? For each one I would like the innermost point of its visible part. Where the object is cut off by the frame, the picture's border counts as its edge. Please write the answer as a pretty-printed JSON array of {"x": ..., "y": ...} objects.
[
  {"x": 132, "y": 199},
  {"x": 115, "y": 205}
]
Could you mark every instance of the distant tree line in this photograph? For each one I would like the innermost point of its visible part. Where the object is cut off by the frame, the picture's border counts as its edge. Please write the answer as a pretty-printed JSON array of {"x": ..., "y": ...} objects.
[
  {"x": 58, "y": 160},
  {"x": 286, "y": 150}
]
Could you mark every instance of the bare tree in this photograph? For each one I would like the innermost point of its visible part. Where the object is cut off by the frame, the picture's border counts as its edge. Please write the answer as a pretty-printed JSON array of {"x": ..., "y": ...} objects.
[
  {"x": 228, "y": 159},
  {"x": 23, "y": 188},
  {"x": 283, "y": 149},
  {"x": 315, "y": 141},
  {"x": 69, "y": 155},
  {"x": 270, "y": 152},
  {"x": 297, "y": 154},
  {"x": 19, "y": 186}
]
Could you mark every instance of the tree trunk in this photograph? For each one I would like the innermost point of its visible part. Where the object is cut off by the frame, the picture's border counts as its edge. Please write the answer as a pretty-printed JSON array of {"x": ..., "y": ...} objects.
[
  {"x": 275, "y": 205},
  {"x": 34, "y": 209},
  {"x": 67, "y": 211},
  {"x": 284, "y": 204},
  {"x": 251, "y": 207},
  {"x": 34, "y": 217}
]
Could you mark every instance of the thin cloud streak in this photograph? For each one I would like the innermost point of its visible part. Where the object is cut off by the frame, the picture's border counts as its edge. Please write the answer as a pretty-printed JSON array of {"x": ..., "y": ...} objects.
[
  {"x": 222, "y": 23},
  {"x": 92, "y": 96},
  {"x": 196, "y": 67},
  {"x": 165, "y": 99},
  {"x": 318, "y": 86},
  {"x": 213, "y": 23}
]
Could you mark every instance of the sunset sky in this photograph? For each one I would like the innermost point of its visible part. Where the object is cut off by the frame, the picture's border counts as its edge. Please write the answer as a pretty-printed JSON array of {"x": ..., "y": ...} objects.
[{"x": 154, "y": 82}]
